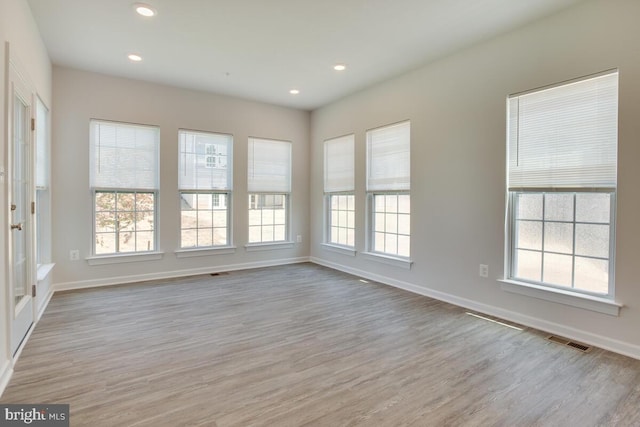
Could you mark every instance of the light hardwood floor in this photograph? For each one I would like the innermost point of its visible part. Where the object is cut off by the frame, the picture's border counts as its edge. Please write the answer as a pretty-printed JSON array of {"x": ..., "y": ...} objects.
[{"x": 305, "y": 345}]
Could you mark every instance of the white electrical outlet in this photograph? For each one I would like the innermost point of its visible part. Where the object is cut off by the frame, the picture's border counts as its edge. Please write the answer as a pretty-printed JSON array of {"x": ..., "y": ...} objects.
[
  {"x": 484, "y": 270},
  {"x": 74, "y": 255},
  {"x": 299, "y": 238}
]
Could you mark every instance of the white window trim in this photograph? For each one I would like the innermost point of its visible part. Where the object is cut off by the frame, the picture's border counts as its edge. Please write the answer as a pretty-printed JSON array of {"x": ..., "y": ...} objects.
[
  {"x": 382, "y": 183},
  {"x": 43, "y": 271},
  {"x": 210, "y": 153},
  {"x": 268, "y": 246},
  {"x": 124, "y": 258},
  {"x": 42, "y": 219},
  {"x": 562, "y": 296},
  {"x": 205, "y": 251},
  {"x": 339, "y": 180},
  {"x": 546, "y": 183},
  {"x": 111, "y": 187}
]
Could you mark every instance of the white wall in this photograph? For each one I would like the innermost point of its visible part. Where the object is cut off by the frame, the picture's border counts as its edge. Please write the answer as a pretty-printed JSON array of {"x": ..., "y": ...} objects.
[
  {"x": 80, "y": 96},
  {"x": 457, "y": 112},
  {"x": 18, "y": 27}
]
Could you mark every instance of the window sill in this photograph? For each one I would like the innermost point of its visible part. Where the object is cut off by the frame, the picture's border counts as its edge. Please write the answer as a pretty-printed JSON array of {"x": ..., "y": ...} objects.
[
  {"x": 195, "y": 252},
  {"x": 389, "y": 260},
  {"x": 43, "y": 271},
  {"x": 251, "y": 247},
  {"x": 122, "y": 258},
  {"x": 561, "y": 296},
  {"x": 342, "y": 250}
]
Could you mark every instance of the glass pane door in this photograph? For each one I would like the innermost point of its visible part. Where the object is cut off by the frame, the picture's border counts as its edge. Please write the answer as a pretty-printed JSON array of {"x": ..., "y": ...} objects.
[
  {"x": 20, "y": 201},
  {"x": 21, "y": 269}
]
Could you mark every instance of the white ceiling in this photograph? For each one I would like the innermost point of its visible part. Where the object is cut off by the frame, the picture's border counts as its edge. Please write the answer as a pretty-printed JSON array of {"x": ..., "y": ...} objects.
[{"x": 260, "y": 49}]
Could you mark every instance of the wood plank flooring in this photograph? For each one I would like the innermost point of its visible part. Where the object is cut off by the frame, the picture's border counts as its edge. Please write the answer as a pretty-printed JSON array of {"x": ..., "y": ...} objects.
[{"x": 303, "y": 345}]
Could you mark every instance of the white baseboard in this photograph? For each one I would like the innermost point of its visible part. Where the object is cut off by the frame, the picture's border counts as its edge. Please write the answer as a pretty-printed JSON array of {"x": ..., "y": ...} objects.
[
  {"x": 5, "y": 375},
  {"x": 118, "y": 280},
  {"x": 44, "y": 305},
  {"x": 585, "y": 337}
]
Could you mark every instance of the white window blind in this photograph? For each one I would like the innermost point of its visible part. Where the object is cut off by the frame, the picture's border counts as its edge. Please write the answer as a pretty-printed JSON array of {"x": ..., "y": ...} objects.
[
  {"x": 565, "y": 136},
  {"x": 124, "y": 155},
  {"x": 205, "y": 161},
  {"x": 388, "y": 158},
  {"x": 339, "y": 164},
  {"x": 269, "y": 166},
  {"x": 42, "y": 156}
]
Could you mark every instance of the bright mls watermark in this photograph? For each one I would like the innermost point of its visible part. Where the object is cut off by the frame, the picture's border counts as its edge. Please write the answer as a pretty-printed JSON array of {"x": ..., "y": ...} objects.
[{"x": 34, "y": 415}]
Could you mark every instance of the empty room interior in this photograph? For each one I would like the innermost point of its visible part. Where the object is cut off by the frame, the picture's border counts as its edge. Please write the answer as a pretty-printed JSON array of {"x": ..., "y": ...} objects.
[{"x": 234, "y": 213}]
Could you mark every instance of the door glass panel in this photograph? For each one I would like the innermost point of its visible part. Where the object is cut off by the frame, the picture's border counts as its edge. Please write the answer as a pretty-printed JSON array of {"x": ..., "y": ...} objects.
[{"x": 19, "y": 203}]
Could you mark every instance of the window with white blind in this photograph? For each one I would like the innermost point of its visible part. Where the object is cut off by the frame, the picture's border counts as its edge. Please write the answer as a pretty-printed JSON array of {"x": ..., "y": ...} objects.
[
  {"x": 269, "y": 187},
  {"x": 562, "y": 178},
  {"x": 388, "y": 186},
  {"x": 43, "y": 195},
  {"x": 339, "y": 190},
  {"x": 205, "y": 183},
  {"x": 124, "y": 176}
]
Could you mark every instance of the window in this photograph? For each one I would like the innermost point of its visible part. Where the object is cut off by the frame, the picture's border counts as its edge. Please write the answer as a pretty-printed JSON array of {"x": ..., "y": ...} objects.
[
  {"x": 339, "y": 190},
  {"x": 124, "y": 221},
  {"x": 341, "y": 219},
  {"x": 269, "y": 185},
  {"x": 392, "y": 219},
  {"x": 562, "y": 169},
  {"x": 205, "y": 184},
  {"x": 125, "y": 183},
  {"x": 388, "y": 185},
  {"x": 43, "y": 195}
]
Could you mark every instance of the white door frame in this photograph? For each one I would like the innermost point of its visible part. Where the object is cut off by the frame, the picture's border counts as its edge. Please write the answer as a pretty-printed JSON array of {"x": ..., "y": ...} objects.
[{"x": 21, "y": 316}]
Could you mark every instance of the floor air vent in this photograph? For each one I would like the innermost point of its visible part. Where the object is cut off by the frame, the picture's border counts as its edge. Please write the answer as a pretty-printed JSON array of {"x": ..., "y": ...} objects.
[{"x": 582, "y": 347}]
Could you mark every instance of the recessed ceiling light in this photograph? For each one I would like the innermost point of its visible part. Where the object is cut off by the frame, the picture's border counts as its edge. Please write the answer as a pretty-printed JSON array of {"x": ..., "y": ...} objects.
[
  {"x": 144, "y": 9},
  {"x": 339, "y": 67},
  {"x": 134, "y": 57},
  {"x": 294, "y": 91}
]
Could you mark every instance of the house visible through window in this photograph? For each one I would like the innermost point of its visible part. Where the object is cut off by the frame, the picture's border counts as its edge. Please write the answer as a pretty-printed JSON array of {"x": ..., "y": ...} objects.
[
  {"x": 562, "y": 175},
  {"x": 125, "y": 184},
  {"x": 339, "y": 190},
  {"x": 205, "y": 183},
  {"x": 215, "y": 157},
  {"x": 388, "y": 186},
  {"x": 269, "y": 185}
]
